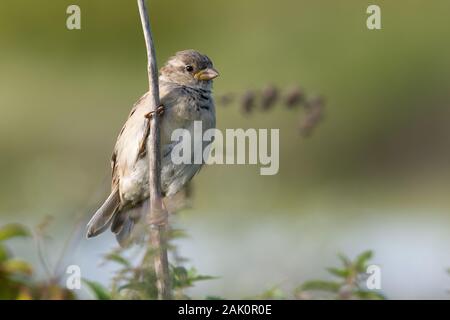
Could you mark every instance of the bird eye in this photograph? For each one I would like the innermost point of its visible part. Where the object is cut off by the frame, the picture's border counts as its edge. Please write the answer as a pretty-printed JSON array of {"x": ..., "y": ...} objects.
[{"x": 189, "y": 68}]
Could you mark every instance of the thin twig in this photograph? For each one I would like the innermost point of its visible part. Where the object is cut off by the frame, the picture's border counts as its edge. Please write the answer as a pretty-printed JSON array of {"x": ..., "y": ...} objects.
[
  {"x": 43, "y": 257},
  {"x": 157, "y": 212}
]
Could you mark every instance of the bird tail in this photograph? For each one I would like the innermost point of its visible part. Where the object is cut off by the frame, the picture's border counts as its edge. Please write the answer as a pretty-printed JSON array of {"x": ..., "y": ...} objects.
[
  {"x": 104, "y": 215},
  {"x": 128, "y": 224}
]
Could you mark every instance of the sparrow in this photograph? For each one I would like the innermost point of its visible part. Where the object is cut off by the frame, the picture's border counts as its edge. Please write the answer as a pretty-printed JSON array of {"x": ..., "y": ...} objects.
[{"x": 185, "y": 84}]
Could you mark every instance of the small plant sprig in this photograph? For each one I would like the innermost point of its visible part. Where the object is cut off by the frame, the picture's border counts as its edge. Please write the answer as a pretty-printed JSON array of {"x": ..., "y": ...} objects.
[
  {"x": 138, "y": 281},
  {"x": 350, "y": 282},
  {"x": 17, "y": 279}
]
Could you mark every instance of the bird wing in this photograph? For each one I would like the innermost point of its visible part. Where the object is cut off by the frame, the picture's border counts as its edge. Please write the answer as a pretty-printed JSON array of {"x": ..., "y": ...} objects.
[{"x": 123, "y": 157}]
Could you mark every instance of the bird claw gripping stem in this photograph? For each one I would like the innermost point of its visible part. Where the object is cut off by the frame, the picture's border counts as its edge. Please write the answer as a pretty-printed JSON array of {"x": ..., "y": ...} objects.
[
  {"x": 160, "y": 219},
  {"x": 158, "y": 214},
  {"x": 159, "y": 112}
]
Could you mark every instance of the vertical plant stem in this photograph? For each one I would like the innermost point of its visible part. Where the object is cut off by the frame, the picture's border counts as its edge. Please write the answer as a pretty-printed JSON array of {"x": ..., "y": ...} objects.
[{"x": 157, "y": 212}]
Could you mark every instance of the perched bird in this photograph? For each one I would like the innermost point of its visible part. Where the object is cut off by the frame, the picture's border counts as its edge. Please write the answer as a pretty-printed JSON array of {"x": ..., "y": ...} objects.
[{"x": 185, "y": 84}]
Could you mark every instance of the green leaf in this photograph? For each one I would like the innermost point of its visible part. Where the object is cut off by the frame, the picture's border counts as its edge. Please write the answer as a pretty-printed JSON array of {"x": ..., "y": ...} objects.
[
  {"x": 214, "y": 298},
  {"x": 194, "y": 276},
  {"x": 341, "y": 273},
  {"x": 274, "y": 293},
  {"x": 178, "y": 234},
  {"x": 362, "y": 259},
  {"x": 202, "y": 277},
  {"x": 345, "y": 260},
  {"x": 133, "y": 285},
  {"x": 100, "y": 292},
  {"x": 182, "y": 278},
  {"x": 16, "y": 266},
  {"x": 4, "y": 254},
  {"x": 180, "y": 271},
  {"x": 13, "y": 230},
  {"x": 115, "y": 257},
  {"x": 321, "y": 285},
  {"x": 370, "y": 295},
  {"x": 140, "y": 290}
]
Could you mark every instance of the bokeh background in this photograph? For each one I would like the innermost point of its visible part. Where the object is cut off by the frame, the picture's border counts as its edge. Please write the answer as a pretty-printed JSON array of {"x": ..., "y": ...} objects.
[{"x": 374, "y": 175}]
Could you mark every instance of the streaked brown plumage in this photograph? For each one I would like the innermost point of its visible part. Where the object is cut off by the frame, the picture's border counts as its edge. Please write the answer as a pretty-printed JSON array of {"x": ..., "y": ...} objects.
[{"x": 185, "y": 89}]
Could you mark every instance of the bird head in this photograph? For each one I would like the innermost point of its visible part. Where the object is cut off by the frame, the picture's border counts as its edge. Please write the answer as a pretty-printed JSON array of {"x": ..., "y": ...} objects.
[{"x": 189, "y": 68}]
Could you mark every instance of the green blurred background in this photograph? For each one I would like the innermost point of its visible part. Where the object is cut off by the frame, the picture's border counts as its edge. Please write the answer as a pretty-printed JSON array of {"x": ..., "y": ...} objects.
[{"x": 374, "y": 175}]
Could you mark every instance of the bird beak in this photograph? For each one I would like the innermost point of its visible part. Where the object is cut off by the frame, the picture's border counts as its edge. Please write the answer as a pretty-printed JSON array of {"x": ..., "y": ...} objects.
[{"x": 206, "y": 74}]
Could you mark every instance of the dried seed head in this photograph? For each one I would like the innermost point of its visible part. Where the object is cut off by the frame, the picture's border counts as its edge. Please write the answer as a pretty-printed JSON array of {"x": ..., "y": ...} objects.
[
  {"x": 269, "y": 97},
  {"x": 248, "y": 101},
  {"x": 294, "y": 97},
  {"x": 315, "y": 108}
]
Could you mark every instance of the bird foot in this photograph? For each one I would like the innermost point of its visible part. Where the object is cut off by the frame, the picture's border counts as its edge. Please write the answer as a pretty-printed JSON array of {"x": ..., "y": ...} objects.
[
  {"x": 158, "y": 215},
  {"x": 159, "y": 112},
  {"x": 161, "y": 219}
]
